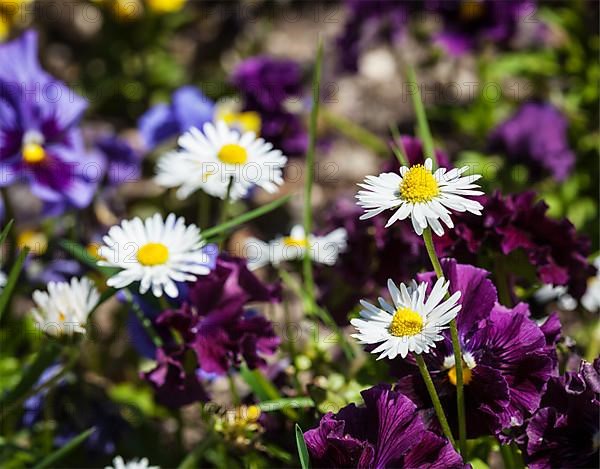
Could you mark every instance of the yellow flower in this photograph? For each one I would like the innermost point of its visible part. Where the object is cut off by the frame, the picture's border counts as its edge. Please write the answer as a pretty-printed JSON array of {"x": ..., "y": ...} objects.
[{"x": 165, "y": 6}]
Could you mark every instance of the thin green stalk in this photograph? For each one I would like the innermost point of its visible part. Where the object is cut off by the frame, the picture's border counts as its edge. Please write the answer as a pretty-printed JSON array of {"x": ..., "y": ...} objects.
[
  {"x": 357, "y": 133},
  {"x": 225, "y": 212},
  {"x": 307, "y": 269},
  {"x": 12, "y": 234},
  {"x": 398, "y": 146},
  {"x": 422, "y": 124},
  {"x": 507, "y": 456},
  {"x": 516, "y": 456},
  {"x": 235, "y": 397},
  {"x": 144, "y": 320},
  {"x": 437, "y": 405},
  {"x": 11, "y": 282},
  {"x": 458, "y": 362},
  {"x": 203, "y": 215}
]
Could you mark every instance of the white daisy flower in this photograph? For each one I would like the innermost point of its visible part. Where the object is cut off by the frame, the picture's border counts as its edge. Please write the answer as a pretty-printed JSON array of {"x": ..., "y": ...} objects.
[
  {"x": 323, "y": 249},
  {"x": 412, "y": 323},
  {"x": 155, "y": 253},
  {"x": 3, "y": 280},
  {"x": 119, "y": 463},
  {"x": 65, "y": 307},
  {"x": 208, "y": 160},
  {"x": 423, "y": 196},
  {"x": 591, "y": 299}
]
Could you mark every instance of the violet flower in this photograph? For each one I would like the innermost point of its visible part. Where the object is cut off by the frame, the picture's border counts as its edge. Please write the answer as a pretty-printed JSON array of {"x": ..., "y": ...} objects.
[
  {"x": 516, "y": 222},
  {"x": 387, "y": 432},
  {"x": 217, "y": 331},
  {"x": 536, "y": 135},
  {"x": 508, "y": 358},
  {"x": 469, "y": 23},
  {"x": 370, "y": 22},
  {"x": 189, "y": 108},
  {"x": 40, "y": 142},
  {"x": 564, "y": 430},
  {"x": 267, "y": 86},
  {"x": 123, "y": 163}
]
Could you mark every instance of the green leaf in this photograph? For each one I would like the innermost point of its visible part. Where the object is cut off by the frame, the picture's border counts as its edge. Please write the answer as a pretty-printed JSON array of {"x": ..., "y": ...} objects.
[
  {"x": 251, "y": 215},
  {"x": 44, "y": 358},
  {"x": 12, "y": 280},
  {"x": 82, "y": 255},
  {"x": 73, "y": 443},
  {"x": 5, "y": 231},
  {"x": 286, "y": 403},
  {"x": 422, "y": 124},
  {"x": 264, "y": 390},
  {"x": 302, "y": 450},
  {"x": 309, "y": 174}
]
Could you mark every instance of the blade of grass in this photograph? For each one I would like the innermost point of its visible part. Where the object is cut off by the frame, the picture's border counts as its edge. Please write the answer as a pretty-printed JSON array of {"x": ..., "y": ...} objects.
[
  {"x": 44, "y": 358},
  {"x": 72, "y": 444},
  {"x": 5, "y": 231},
  {"x": 15, "y": 271},
  {"x": 82, "y": 255},
  {"x": 357, "y": 133},
  {"x": 264, "y": 390},
  {"x": 302, "y": 449},
  {"x": 422, "y": 124},
  {"x": 251, "y": 215},
  {"x": 309, "y": 172},
  {"x": 398, "y": 147},
  {"x": 286, "y": 402}
]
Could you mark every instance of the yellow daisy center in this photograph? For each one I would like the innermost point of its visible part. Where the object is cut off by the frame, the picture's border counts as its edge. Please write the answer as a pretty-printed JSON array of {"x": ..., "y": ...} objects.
[
  {"x": 419, "y": 185},
  {"x": 406, "y": 322},
  {"x": 36, "y": 241},
  {"x": 467, "y": 374},
  {"x": 248, "y": 121},
  {"x": 295, "y": 242},
  {"x": 153, "y": 254},
  {"x": 232, "y": 153},
  {"x": 61, "y": 317},
  {"x": 33, "y": 153}
]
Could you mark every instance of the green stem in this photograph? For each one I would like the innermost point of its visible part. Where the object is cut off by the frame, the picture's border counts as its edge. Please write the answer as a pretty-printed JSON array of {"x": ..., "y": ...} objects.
[
  {"x": 203, "y": 216},
  {"x": 235, "y": 397},
  {"x": 12, "y": 234},
  {"x": 507, "y": 456},
  {"x": 144, "y": 320},
  {"x": 437, "y": 405},
  {"x": 422, "y": 124},
  {"x": 309, "y": 283},
  {"x": 458, "y": 362},
  {"x": 225, "y": 211},
  {"x": 357, "y": 133}
]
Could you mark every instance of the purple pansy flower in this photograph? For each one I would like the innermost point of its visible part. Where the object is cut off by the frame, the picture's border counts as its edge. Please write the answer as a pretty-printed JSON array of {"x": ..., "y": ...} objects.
[
  {"x": 387, "y": 432},
  {"x": 123, "y": 163},
  {"x": 175, "y": 378},
  {"x": 468, "y": 23},
  {"x": 216, "y": 329},
  {"x": 370, "y": 21},
  {"x": 267, "y": 85},
  {"x": 536, "y": 135},
  {"x": 368, "y": 240},
  {"x": 509, "y": 223},
  {"x": 40, "y": 142},
  {"x": 508, "y": 358},
  {"x": 189, "y": 108},
  {"x": 564, "y": 430}
]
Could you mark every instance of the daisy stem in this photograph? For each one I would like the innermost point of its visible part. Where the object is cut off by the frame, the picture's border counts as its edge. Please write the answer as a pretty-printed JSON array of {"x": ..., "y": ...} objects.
[
  {"x": 437, "y": 405},
  {"x": 225, "y": 211},
  {"x": 422, "y": 124},
  {"x": 460, "y": 395},
  {"x": 144, "y": 320},
  {"x": 309, "y": 175}
]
